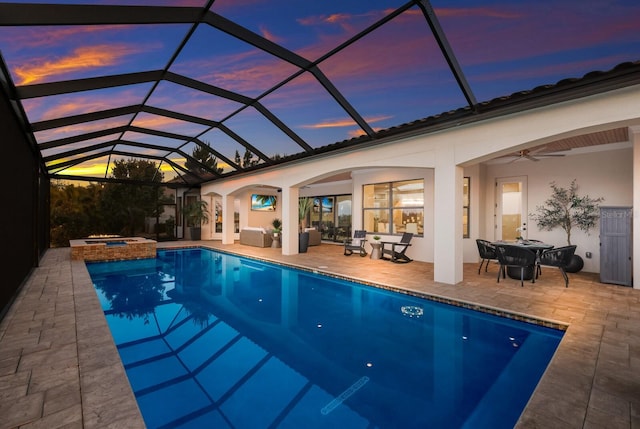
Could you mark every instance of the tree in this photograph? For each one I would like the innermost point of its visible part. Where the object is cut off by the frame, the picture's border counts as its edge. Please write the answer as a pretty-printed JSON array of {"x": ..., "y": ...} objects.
[
  {"x": 203, "y": 156},
  {"x": 247, "y": 159},
  {"x": 74, "y": 212},
  {"x": 129, "y": 204},
  {"x": 567, "y": 210},
  {"x": 197, "y": 213},
  {"x": 304, "y": 206}
]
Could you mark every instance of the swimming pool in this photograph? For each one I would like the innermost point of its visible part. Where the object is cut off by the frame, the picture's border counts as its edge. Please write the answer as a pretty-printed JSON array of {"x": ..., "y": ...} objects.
[{"x": 215, "y": 340}]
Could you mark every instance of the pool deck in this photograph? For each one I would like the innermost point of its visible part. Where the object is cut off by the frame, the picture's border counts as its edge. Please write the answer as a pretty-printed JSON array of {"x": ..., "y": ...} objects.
[{"x": 59, "y": 366}]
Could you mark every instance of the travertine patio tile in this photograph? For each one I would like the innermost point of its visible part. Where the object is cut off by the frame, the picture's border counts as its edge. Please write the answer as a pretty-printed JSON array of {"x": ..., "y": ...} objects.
[
  {"x": 105, "y": 402},
  {"x": 125, "y": 423},
  {"x": 20, "y": 327},
  {"x": 561, "y": 404},
  {"x": 34, "y": 348},
  {"x": 44, "y": 314},
  {"x": 60, "y": 335},
  {"x": 598, "y": 419},
  {"x": 67, "y": 418},
  {"x": 47, "y": 378},
  {"x": 57, "y": 357},
  {"x": 20, "y": 411},
  {"x": 65, "y": 315},
  {"x": 609, "y": 404},
  {"x": 19, "y": 316},
  {"x": 17, "y": 343},
  {"x": 109, "y": 416},
  {"x": 617, "y": 380},
  {"x": 14, "y": 386},
  {"x": 98, "y": 354},
  {"x": 8, "y": 365},
  {"x": 62, "y": 397}
]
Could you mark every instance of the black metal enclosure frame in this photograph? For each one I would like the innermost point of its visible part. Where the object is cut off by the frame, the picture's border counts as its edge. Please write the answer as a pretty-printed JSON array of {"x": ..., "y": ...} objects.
[{"x": 25, "y": 214}]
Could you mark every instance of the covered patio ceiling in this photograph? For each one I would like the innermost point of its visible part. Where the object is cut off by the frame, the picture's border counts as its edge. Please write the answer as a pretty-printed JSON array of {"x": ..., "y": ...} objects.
[{"x": 259, "y": 83}]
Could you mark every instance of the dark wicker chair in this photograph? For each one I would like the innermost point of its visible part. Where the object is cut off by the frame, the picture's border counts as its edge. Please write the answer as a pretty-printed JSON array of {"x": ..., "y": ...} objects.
[
  {"x": 487, "y": 253},
  {"x": 559, "y": 257},
  {"x": 356, "y": 244},
  {"x": 518, "y": 257},
  {"x": 396, "y": 249}
]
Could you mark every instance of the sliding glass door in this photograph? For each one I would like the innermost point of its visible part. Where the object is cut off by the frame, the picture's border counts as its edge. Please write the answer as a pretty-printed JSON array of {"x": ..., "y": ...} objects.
[{"x": 331, "y": 215}]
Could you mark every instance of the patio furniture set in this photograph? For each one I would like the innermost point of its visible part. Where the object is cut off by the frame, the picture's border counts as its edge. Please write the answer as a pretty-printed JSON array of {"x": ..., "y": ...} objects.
[{"x": 523, "y": 260}]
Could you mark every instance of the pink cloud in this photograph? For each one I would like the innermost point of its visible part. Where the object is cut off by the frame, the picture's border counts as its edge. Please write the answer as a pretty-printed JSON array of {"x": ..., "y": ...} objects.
[
  {"x": 47, "y": 108},
  {"x": 83, "y": 58},
  {"x": 485, "y": 35},
  {"x": 269, "y": 35},
  {"x": 346, "y": 122},
  {"x": 53, "y": 36}
]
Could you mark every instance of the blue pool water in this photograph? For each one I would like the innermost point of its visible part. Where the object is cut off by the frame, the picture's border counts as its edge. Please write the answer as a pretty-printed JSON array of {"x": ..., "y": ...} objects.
[{"x": 218, "y": 341}]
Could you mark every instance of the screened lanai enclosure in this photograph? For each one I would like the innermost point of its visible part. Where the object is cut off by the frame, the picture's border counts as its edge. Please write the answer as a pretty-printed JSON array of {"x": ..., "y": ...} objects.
[{"x": 210, "y": 89}]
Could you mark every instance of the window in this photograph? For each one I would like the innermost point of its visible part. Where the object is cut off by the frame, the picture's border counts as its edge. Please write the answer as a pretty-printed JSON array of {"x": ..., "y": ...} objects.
[
  {"x": 466, "y": 189},
  {"x": 394, "y": 207},
  {"x": 331, "y": 215}
]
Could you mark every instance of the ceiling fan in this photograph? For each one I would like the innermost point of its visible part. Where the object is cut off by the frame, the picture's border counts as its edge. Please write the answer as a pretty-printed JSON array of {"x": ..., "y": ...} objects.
[{"x": 534, "y": 155}]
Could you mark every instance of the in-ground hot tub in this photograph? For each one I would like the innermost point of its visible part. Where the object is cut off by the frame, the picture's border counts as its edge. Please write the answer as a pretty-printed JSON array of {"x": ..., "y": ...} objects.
[{"x": 112, "y": 249}]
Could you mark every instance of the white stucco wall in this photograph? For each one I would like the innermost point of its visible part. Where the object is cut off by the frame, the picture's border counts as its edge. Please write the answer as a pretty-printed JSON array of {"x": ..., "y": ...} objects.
[
  {"x": 466, "y": 146},
  {"x": 607, "y": 174}
]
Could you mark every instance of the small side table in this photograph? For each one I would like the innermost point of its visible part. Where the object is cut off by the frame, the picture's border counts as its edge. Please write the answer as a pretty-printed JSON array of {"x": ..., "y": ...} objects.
[
  {"x": 276, "y": 241},
  {"x": 375, "y": 250}
]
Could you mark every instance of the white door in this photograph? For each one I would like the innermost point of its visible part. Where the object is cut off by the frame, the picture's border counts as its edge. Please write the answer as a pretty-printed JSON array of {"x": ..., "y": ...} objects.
[{"x": 511, "y": 208}]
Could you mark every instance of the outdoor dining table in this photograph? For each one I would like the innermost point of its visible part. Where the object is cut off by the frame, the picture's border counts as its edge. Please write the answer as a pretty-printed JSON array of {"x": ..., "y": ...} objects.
[{"x": 535, "y": 246}]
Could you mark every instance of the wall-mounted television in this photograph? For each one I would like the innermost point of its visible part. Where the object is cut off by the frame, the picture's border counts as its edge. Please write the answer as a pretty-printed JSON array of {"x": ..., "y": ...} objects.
[
  {"x": 327, "y": 204},
  {"x": 263, "y": 203}
]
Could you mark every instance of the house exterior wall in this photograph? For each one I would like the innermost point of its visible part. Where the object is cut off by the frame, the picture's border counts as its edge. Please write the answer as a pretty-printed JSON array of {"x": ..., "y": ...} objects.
[
  {"x": 467, "y": 146},
  {"x": 607, "y": 174}
]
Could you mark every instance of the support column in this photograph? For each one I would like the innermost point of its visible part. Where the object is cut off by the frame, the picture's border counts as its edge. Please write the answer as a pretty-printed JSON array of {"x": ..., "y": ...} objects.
[
  {"x": 290, "y": 221},
  {"x": 634, "y": 136},
  {"x": 228, "y": 224},
  {"x": 447, "y": 255}
]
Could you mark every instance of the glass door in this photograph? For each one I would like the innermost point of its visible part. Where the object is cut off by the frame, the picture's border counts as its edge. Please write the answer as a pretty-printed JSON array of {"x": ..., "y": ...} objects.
[
  {"x": 511, "y": 208},
  {"x": 343, "y": 214},
  {"x": 331, "y": 215}
]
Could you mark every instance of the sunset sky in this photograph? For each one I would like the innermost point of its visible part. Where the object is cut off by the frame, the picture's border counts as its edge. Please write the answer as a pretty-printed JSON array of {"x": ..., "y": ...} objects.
[{"x": 394, "y": 75}]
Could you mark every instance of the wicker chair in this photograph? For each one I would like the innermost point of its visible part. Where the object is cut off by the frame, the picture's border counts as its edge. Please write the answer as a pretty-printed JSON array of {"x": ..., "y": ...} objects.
[
  {"x": 487, "y": 253},
  {"x": 519, "y": 257},
  {"x": 559, "y": 257}
]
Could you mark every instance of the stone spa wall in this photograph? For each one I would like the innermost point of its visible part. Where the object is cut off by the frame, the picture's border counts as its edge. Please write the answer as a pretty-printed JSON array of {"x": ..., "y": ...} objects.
[{"x": 112, "y": 249}]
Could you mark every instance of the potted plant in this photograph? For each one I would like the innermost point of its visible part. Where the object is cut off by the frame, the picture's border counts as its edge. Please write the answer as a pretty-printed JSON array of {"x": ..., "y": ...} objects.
[
  {"x": 277, "y": 229},
  {"x": 277, "y": 226},
  {"x": 196, "y": 214},
  {"x": 171, "y": 227},
  {"x": 567, "y": 210},
  {"x": 304, "y": 206}
]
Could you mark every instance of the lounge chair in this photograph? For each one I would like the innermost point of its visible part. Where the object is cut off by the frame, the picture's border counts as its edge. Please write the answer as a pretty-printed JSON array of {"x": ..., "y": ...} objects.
[
  {"x": 396, "y": 249},
  {"x": 356, "y": 244},
  {"x": 517, "y": 257},
  {"x": 559, "y": 257},
  {"x": 487, "y": 253}
]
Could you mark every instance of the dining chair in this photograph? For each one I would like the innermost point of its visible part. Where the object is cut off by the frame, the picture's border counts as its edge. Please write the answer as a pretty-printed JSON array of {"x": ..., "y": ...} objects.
[
  {"x": 558, "y": 257},
  {"x": 518, "y": 257},
  {"x": 487, "y": 253}
]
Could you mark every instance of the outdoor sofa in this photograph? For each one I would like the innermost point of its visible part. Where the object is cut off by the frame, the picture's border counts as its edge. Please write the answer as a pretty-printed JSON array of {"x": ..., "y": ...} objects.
[{"x": 255, "y": 236}]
